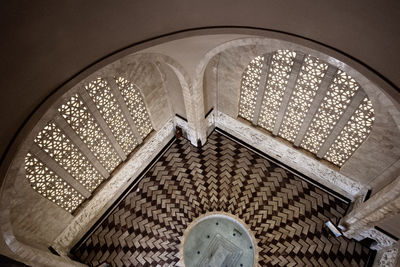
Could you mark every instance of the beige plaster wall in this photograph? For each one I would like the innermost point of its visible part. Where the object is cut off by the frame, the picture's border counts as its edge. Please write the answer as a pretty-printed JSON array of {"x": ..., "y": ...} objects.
[
  {"x": 375, "y": 156},
  {"x": 210, "y": 84},
  {"x": 37, "y": 221}
]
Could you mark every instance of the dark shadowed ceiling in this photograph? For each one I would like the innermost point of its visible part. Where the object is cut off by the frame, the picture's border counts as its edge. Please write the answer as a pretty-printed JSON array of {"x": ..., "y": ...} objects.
[{"x": 46, "y": 43}]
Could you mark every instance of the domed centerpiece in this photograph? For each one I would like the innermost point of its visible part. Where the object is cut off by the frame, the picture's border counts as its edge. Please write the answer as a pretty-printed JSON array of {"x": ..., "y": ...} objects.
[{"x": 217, "y": 240}]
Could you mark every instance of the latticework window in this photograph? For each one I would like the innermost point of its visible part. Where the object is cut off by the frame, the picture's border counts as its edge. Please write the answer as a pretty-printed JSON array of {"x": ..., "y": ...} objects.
[
  {"x": 61, "y": 149},
  {"x": 250, "y": 84},
  {"x": 106, "y": 103},
  {"x": 310, "y": 77},
  {"x": 278, "y": 76},
  {"x": 85, "y": 141},
  {"x": 49, "y": 185},
  {"x": 82, "y": 122},
  {"x": 315, "y": 132},
  {"x": 338, "y": 97},
  {"x": 136, "y": 106},
  {"x": 354, "y": 133}
]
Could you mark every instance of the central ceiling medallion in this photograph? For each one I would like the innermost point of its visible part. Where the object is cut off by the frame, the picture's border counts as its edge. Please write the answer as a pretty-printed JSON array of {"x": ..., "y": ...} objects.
[{"x": 218, "y": 240}]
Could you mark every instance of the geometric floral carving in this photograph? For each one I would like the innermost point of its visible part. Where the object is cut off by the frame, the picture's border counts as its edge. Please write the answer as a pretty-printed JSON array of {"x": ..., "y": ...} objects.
[
  {"x": 108, "y": 107},
  {"x": 278, "y": 76},
  {"x": 53, "y": 141},
  {"x": 49, "y": 185},
  {"x": 338, "y": 97},
  {"x": 353, "y": 134},
  {"x": 249, "y": 89},
  {"x": 83, "y": 123},
  {"x": 57, "y": 145},
  {"x": 307, "y": 84},
  {"x": 136, "y": 106},
  {"x": 341, "y": 91}
]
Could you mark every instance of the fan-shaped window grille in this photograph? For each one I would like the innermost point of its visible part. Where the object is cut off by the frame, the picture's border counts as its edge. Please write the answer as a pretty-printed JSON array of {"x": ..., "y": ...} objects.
[
  {"x": 90, "y": 134},
  {"x": 307, "y": 102},
  {"x": 67, "y": 155},
  {"x": 250, "y": 83},
  {"x": 336, "y": 100},
  {"x": 135, "y": 105},
  {"x": 51, "y": 186},
  {"x": 308, "y": 80},
  {"x": 278, "y": 76}
]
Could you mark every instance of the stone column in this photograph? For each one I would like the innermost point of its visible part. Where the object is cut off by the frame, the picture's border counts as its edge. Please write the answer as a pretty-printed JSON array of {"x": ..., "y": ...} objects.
[
  {"x": 380, "y": 206},
  {"x": 194, "y": 105}
]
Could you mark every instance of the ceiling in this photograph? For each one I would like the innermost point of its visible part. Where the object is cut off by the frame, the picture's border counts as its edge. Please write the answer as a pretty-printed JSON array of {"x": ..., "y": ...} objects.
[{"x": 45, "y": 44}]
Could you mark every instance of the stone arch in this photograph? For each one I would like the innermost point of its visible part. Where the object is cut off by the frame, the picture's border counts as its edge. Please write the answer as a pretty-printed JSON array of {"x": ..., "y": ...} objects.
[
  {"x": 234, "y": 56},
  {"x": 17, "y": 195}
]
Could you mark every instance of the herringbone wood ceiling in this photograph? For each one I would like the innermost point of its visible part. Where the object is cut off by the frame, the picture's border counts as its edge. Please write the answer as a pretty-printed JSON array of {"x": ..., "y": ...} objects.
[{"x": 285, "y": 213}]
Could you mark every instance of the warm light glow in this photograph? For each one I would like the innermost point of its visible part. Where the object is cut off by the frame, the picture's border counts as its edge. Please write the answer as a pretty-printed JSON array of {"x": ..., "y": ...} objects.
[
  {"x": 278, "y": 76},
  {"x": 340, "y": 93},
  {"x": 53, "y": 141}
]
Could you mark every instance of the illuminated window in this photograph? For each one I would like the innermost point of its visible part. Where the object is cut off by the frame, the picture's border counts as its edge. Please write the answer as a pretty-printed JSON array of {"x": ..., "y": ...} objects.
[
  {"x": 136, "y": 106},
  {"x": 83, "y": 123},
  {"x": 338, "y": 97},
  {"x": 278, "y": 76},
  {"x": 50, "y": 186},
  {"x": 250, "y": 84},
  {"x": 61, "y": 148},
  {"x": 354, "y": 133},
  {"x": 329, "y": 110},
  {"x": 310, "y": 77},
  {"x": 106, "y": 103}
]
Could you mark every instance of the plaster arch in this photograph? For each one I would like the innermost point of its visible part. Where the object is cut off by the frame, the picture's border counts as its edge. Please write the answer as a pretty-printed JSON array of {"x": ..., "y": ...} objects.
[
  {"x": 224, "y": 52},
  {"x": 233, "y": 58},
  {"x": 20, "y": 202}
]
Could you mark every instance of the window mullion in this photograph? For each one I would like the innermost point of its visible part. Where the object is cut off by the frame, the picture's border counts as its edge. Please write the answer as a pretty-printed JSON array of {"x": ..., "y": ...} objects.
[
  {"x": 355, "y": 102},
  {"x": 53, "y": 165},
  {"x": 323, "y": 89},
  {"x": 298, "y": 62},
  {"x": 101, "y": 122}
]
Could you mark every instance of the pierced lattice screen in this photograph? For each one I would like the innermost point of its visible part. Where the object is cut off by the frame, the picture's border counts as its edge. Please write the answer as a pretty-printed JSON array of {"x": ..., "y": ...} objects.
[
  {"x": 87, "y": 128},
  {"x": 308, "y": 81},
  {"x": 338, "y": 97},
  {"x": 328, "y": 110},
  {"x": 136, "y": 106},
  {"x": 106, "y": 103},
  {"x": 49, "y": 185},
  {"x": 354, "y": 133},
  {"x": 61, "y": 149},
  {"x": 278, "y": 76}
]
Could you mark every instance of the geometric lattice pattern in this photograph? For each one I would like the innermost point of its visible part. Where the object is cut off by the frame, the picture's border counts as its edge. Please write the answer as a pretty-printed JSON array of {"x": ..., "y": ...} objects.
[
  {"x": 84, "y": 124},
  {"x": 250, "y": 83},
  {"x": 285, "y": 213},
  {"x": 50, "y": 186},
  {"x": 65, "y": 148},
  {"x": 64, "y": 152},
  {"x": 337, "y": 99},
  {"x": 310, "y": 77},
  {"x": 136, "y": 106},
  {"x": 278, "y": 76},
  {"x": 108, "y": 107},
  {"x": 341, "y": 90},
  {"x": 353, "y": 134}
]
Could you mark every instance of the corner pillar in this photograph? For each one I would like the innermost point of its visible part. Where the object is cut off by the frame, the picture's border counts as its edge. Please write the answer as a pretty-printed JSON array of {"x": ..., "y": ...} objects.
[{"x": 380, "y": 206}]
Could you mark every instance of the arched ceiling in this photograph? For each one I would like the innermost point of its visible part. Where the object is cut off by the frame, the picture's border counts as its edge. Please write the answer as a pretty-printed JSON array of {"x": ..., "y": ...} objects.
[{"x": 47, "y": 43}]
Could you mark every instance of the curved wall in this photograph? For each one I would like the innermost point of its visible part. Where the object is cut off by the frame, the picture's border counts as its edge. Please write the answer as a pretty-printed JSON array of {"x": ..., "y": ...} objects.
[
  {"x": 378, "y": 153},
  {"x": 218, "y": 76}
]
